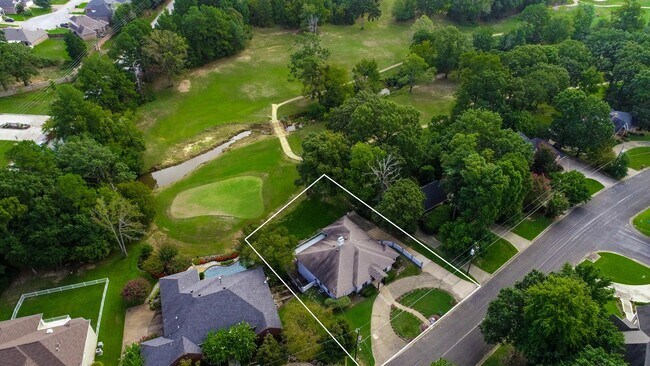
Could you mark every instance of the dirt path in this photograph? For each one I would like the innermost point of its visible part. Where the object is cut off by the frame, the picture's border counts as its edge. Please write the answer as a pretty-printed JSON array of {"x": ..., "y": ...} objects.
[{"x": 278, "y": 128}]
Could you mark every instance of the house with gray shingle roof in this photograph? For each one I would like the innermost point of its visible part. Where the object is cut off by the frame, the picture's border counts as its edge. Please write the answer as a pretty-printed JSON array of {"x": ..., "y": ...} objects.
[
  {"x": 11, "y": 6},
  {"x": 30, "y": 340},
  {"x": 622, "y": 122},
  {"x": 28, "y": 37},
  {"x": 191, "y": 308},
  {"x": 637, "y": 336},
  {"x": 103, "y": 9},
  {"x": 343, "y": 259},
  {"x": 88, "y": 28}
]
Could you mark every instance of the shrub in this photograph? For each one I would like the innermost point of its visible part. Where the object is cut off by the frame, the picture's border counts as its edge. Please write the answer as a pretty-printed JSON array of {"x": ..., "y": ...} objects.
[
  {"x": 178, "y": 264},
  {"x": 434, "y": 219},
  {"x": 368, "y": 291},
  {"x": 131, "y": 356},
  {"x": 154, "y": 267},
  {"x": 135, "y": 291},
  {"x": 97, "y": 363},
  {"x": 338, "y": 304},
  {"x": 145, "y": 252},
  {"x": 228, "y": 262},
  {"x": 166, "y": 253}
]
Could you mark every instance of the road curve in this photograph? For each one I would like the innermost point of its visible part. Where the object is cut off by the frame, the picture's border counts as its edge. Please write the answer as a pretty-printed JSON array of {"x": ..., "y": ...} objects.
[{"x": 601, "y": 224}]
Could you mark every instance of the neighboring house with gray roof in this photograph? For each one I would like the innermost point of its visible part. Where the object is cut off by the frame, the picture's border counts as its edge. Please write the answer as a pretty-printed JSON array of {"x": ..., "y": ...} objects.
[
  {"x": 342, "y": 259},
  {"x": 539, "y": 143},
  {"x": 637, "y": 336},
  {"x": 622, "y": 122},
  {"x": 191, "y": 308},
  {"x": 103, "y": 9},
  {"x": 88, "y": 28},
  {"x": 434, "y": 195},
  {"x": 28, "y": 37},
  {"x": 8, "y": 7},
  {"x": 32, "y": 341}
]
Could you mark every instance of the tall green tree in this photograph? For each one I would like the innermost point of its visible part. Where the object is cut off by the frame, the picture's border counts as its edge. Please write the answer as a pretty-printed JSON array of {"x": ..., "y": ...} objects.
[
  {"x": 324, "y": 153},
  {"x": 573, "y": 185},
  {"x": 362, "y": 9},
  {"x": 582, "y": 121},
  {"x": 308, "y": 64},
  {"x": 629, "y": 17},
  {"x": 403, "y": 204},
  {"x": 166, "y": 53},
  {"x": 366, "y": 76},
  {"x": 236, "y": 343},
  {"x": 128, "y": 45},
  {"x": 583, "y": 18},
  {"x": 119, "y": 217},
  {"x": 413, "y": 69},
  {"x": 276, "y": 246},
  {"x": 74, "y": 46},
  {"x": 106, "y": 85},
  {"x": 270, "y": 351}
]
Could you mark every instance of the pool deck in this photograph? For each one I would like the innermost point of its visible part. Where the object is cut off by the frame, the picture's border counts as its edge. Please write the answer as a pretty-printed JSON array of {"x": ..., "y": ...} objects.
[{"x": 202, "y": 267}]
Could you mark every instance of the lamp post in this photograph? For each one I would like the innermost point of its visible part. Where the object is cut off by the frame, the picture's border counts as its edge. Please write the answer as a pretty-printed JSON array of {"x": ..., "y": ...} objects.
[
  {"x": 472, "y": 254},
  {"x": 356, "y": 345}
]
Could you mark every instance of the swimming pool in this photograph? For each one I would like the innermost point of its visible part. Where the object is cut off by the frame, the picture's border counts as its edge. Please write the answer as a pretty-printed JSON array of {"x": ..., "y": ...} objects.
[{"x": 216, "y": 271}]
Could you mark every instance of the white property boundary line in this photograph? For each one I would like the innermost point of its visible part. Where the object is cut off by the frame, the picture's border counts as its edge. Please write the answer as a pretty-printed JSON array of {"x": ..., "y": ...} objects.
[
  {"x": 383, "y": 217},
  {"x": 28, "y": 295}
]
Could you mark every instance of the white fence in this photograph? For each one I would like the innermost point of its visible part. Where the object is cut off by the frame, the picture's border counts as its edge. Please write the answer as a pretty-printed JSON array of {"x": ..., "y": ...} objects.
[
  {"x": 65, "y": 288},
  {"x": 402, "y": 251}
]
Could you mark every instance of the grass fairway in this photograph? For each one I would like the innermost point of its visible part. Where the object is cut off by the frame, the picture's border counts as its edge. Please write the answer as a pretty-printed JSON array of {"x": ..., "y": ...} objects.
[
  {"x": 214, "y": 234},
  {"x": 428, "y": 301},
  {"x": 623, "y": 270},
  {"x": 496, "y": 255},
  {"x": 532, "y": 226},
  {"x": 117, "y": 268},
  {"x": 594, "y": 186},
  {"x": 87, "y": 301},
  {"x": 639, "y": 157},
  {"x": 241, "y": 89},
  {"x": 642, "y": 222},
  {"x": 405, "y": 325},
  {"x": 239, "y": 197},
  {"x": 430, "y": 99},
  {"x": 4, "y": 147}
]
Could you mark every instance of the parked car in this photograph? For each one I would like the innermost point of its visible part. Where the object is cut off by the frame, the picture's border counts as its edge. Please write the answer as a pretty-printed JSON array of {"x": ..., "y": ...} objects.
[
  {"x": 64, "y": 25},
  {"x": 9, "y": 20}
]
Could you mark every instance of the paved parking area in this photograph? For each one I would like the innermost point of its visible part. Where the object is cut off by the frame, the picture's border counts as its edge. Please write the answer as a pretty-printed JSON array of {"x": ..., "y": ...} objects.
[{"x": 33, "y": 133}]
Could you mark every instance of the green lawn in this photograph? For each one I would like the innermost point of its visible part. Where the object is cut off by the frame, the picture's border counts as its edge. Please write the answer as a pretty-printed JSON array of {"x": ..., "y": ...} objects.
[
  {"x": 623, "y": 270},
  {"x": 311, "y": 214},
  {"x": 52, "y": 48},
  {"x": 644, "y": 137},
  {"x": 4, "y": 147},
  {"x": 405, "y": 325},
  {"x": 86, "y": 305},
  {"x": 639, "y": 157},
  {"x": 428, "y": 301},
  {"x": 58, "y": 31},
  {"x": 496, "y": 255},
  {"x": 118, "y": 270},
  {"x": 238, "y": 197},
  {"x": 36, "y": 11},
  {"x": 206, "y": 234},
  {"x": 613, "y": 307},
  {"x": 532, "y": 226},
  {"x": 36, "y": 102},
  {"x": 434, "y": 98},
  {"x": 499, "y": 357},
  {"x": 436, "y": 258},
  {"x": 241, "y": 89},
  {"x": 359, "y": 317},
  {"x": 642, "y": 222},
  {"x": 295, "y": 138},
  {"x": 594, "y": 186}
]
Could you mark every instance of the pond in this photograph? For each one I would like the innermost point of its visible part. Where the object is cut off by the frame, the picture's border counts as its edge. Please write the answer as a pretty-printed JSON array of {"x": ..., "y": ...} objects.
[
  {"x": 216, "y": 271},
  {"x": 167, "y": 176}
]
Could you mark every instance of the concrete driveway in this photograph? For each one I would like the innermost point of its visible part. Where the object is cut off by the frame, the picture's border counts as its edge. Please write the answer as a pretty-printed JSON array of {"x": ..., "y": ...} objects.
[
  {"x": 34, "y": 132},
  {"x": 60, "y": 14}
]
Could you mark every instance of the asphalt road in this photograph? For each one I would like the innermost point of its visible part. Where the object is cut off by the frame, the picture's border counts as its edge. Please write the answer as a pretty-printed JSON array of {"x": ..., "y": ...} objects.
[{"x": 603, "y": 224}]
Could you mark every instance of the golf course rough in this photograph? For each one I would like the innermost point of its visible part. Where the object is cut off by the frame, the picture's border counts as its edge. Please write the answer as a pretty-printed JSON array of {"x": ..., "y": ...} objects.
[{"x": 239, "y": 197}]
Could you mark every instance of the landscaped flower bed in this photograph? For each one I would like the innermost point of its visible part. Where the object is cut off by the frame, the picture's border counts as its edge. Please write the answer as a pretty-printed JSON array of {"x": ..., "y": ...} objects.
[{"x": 215, "y": 258}]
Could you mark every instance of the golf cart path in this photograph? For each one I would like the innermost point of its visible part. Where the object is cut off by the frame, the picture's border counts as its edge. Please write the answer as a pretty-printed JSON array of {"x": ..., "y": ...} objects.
[{"x": 278, "y": 128}]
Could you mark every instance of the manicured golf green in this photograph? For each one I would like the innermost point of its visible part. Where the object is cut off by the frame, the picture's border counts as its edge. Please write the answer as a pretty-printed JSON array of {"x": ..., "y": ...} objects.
[
  {"x": 239, "y": 197},
  {"x": 428, "y": 301},
  {"x": 86, "y": 304},
  {"x": 204, "y": 235},
  {"x": 4, "y": 147},
  {"x": 642, "y": 222},
  {"x": 623, "y": 270},
  {"x": 594, "y": 186},
  {"x": 496, "y": 255},
  {"x": 639, "y": 157},
  {"x": 532, "y": 226},
  {"x": 404, "y": 324}
]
